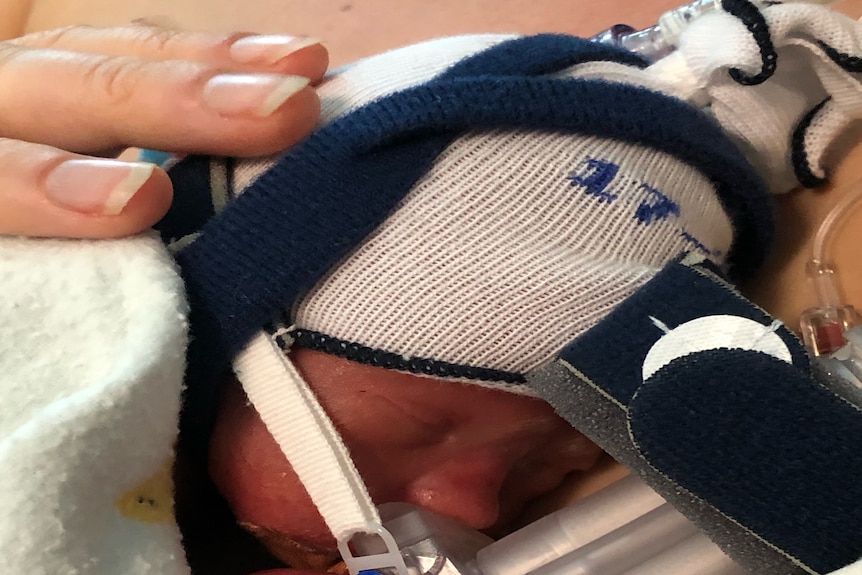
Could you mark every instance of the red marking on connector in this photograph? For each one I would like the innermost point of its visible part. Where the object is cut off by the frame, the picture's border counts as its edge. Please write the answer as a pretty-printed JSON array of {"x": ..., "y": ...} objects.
[{"x": 830, "y": 337}]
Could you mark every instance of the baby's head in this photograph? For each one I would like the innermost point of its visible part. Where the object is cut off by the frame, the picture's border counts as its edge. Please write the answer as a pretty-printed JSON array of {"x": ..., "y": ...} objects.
[{"x": 468, "y": 207}]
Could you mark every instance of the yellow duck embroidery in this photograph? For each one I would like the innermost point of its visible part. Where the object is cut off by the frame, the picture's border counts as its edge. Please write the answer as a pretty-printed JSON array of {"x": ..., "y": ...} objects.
[{"x": 151, "y": 501}]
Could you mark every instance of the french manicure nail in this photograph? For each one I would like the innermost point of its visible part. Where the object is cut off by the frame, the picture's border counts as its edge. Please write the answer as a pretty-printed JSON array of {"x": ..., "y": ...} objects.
[
  {"x": 96, "y": 186},
  {"x": 268, "y": 49},
  {"x": 250, "y": 94}
]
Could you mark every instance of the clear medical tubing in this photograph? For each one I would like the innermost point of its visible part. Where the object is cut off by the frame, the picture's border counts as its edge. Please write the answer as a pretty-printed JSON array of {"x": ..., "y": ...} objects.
[
  {"x": 827, "y": 227},
  {"x": 569, "y": 528},
  {"x": 697, "y": 555},
  {"x": 660, "y": 40},
  {"x": 824, "y": 326},
  {"x": 626, "y": 547}
]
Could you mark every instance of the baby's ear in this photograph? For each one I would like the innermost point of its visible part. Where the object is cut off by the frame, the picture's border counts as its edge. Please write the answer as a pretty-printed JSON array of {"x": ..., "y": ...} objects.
[
  {"x": 780, "y": 80},
  {"x": 715, "y": 405}
]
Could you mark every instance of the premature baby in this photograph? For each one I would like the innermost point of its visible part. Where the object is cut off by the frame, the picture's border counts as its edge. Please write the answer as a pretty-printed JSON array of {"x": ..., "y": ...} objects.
[{"x": 488, "y": 240}]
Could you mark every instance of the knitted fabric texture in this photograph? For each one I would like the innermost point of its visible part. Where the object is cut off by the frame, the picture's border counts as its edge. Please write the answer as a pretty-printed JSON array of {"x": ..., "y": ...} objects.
[
  {"x": 514, "y": 234},
  {"x": 421, "y": 221},
  {"x": 470, "y": 222},
  {"x": 92, "y": 353},
  {"x": 805, "y": 59}
]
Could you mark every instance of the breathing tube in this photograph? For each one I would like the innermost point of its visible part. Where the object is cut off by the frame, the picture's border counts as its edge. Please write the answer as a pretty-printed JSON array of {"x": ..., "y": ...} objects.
[{"x": 623, "y": 529}]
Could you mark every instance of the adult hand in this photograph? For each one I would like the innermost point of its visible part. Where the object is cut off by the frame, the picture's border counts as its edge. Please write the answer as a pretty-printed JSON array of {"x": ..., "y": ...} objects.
[{"x": 70, "y": 98}]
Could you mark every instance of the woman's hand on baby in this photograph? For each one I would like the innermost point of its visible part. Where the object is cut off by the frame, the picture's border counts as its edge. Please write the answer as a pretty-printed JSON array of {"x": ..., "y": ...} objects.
[{"x": 72, "y": 98}]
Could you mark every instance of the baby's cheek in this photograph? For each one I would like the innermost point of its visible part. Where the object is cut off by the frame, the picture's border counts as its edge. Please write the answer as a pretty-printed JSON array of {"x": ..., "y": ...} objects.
[{"x": 252, "y": 474}]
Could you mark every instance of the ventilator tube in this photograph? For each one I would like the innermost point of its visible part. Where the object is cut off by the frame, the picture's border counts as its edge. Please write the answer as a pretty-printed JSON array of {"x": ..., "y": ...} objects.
[{"x": 569, "y": 528}]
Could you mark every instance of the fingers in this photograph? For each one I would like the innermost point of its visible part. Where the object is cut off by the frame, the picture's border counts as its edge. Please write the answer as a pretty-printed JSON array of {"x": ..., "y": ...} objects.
[
  {"x": 51, "y": 193},
  {"x": 292, "y": 55},
  {"x": 94, "y": 103},
  {"x": 84, "y": 90}
]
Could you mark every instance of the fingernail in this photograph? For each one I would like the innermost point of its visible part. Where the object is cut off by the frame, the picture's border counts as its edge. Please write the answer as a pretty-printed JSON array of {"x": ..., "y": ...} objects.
[
  {"x": 96, "y": 186},
  {"x": 250, "y": 94},
  {"x": 268, "y": 49}
]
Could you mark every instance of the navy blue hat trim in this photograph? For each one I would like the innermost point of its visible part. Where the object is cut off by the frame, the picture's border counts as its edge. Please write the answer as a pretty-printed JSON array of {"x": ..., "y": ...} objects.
[
  {"x": 380, "y": 358},
  {"x": 192, "y": 205},
  {"x": 848, "y": 62},
  {"x": 800, "y": 160},
  {"x": 799, "y": 157},
  {"x": 756, "y": 24}
]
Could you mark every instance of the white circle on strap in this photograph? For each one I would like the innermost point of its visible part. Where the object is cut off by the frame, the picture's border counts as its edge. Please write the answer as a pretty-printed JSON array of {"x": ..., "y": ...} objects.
[{"x": 714, "y": 332}]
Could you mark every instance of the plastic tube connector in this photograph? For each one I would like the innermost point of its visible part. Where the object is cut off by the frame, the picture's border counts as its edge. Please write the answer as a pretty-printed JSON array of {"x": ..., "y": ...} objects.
[
  {"x": 673, "y": 22},
  {"x": 658, "y": 41},
  {"x": 823, "y": 327}
]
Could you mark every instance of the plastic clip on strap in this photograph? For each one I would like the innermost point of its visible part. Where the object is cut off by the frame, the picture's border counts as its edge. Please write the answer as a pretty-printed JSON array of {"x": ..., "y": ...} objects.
[{"x": 289, "y": 410}]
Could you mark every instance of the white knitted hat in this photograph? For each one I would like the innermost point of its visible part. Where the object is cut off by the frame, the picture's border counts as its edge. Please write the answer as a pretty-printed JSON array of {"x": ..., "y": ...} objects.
[
  {"x": 467, "y": 207},
  {"x": 512, "y": 245},
  {"x": 470, "y": 204},
  {"x": 518, "y": 238}
]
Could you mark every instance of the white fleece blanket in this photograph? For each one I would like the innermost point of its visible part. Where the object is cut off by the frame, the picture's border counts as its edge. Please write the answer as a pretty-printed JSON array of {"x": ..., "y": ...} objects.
[{"x": 91, "y": 365}]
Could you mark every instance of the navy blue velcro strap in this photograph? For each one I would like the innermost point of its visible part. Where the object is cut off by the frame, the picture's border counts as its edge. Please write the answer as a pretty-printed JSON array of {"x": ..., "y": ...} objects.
[
  {"x": 729, "y": 425},
  {"x": 766, "y": 445},
  {"x": 677, "y": 294}
]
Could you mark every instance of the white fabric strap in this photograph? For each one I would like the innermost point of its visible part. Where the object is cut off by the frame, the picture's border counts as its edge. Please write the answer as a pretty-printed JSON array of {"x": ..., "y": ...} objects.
[{"x": 307, "y": 437}]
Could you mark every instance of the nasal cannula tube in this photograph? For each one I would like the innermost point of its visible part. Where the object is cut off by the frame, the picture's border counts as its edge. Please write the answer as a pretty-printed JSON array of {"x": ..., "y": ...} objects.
[
  {"x": 608, "y": 533},
  {"x": 827, "y": 292}
]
